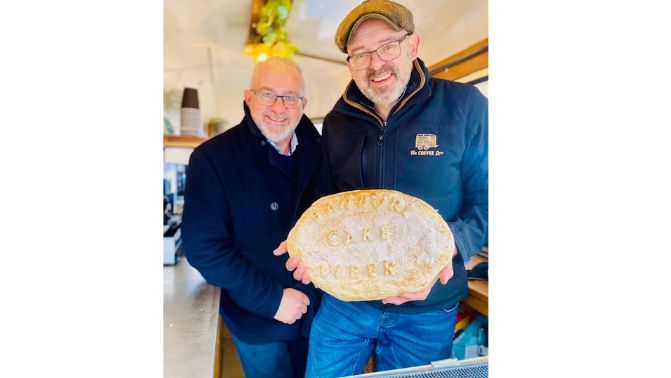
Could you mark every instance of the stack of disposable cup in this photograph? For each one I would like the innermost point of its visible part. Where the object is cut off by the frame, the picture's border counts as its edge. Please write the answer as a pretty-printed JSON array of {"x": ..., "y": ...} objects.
[{"x": 190, "y": 113}]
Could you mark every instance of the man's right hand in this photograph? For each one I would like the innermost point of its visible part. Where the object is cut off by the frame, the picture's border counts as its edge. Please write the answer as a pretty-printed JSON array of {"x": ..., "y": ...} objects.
[
  {"x": 293, "y": 264},
  {"x": 292, "y": 307}
]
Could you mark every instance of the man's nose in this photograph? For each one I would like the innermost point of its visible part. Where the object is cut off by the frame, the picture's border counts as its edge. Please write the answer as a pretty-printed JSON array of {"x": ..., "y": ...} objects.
[
  {"x": 375, "y": 61},
  {"x": 278, "y": 105}
]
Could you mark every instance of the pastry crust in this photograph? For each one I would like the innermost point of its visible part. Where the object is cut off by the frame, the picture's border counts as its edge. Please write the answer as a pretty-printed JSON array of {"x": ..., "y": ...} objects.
[{"x": 371, "y": 244}]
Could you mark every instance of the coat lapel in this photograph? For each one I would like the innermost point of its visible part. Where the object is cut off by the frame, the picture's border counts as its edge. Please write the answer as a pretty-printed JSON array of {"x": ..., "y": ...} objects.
[
  {"x": 308, "y": 143},
  {"x": 306, "y": 167}
]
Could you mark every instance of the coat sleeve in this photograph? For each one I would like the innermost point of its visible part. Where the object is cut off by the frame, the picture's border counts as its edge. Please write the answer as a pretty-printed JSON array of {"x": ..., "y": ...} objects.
[
  {"x": 470, "y": 226},
  {"x": 207, "y": 241}
]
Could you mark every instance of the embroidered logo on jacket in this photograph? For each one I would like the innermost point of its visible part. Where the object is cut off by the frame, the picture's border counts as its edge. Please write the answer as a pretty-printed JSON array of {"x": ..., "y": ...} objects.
[{"x": 424, "y": 142}]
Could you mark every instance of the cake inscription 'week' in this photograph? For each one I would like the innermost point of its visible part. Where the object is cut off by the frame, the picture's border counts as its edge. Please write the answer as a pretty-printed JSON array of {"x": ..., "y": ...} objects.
[{"x": 386, "y": 268}]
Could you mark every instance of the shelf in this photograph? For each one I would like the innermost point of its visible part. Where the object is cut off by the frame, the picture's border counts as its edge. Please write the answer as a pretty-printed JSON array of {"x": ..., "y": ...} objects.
[
  {"x": 478, "y": 291},
  {"x": 466, "y": 66},
  {"x": 184, "y": 141}
]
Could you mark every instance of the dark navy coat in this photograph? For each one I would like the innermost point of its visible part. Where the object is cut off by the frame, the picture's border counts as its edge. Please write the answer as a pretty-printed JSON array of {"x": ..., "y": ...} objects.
[
  {"x": 433, "y": 146},
  {"x": 238, "y": 206}
]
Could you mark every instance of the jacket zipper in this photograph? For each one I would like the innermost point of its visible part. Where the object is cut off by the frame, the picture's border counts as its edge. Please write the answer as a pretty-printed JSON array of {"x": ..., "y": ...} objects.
[{"x": 380, "y": 143}]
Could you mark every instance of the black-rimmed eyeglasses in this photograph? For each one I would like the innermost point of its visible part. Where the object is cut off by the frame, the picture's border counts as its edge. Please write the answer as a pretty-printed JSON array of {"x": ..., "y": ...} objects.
[
  {"x": 388, "y": 51},
  {"x": 268, "y": 99}
]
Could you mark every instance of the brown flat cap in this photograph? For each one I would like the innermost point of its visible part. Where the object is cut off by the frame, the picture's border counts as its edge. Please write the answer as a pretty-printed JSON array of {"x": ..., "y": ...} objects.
[{"x": 395, "y": 15}]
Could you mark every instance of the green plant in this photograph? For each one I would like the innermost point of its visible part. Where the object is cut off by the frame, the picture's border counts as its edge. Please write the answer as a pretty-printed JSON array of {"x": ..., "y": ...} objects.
[{"x": 270, "y": 28}]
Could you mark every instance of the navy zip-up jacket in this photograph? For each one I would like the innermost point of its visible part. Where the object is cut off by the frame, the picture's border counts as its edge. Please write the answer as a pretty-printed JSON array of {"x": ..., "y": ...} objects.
[
  {"x": 433, "y": 146},
  {"x": 240, "y": 203}
]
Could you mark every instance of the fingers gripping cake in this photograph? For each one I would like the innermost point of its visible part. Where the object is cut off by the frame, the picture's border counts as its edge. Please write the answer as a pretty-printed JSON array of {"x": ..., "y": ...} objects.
[{"x": 371, "y": 244}]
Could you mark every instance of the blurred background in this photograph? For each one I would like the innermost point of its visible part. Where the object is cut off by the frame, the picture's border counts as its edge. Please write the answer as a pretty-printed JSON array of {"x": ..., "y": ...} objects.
[{"x": 205, "y": 42}]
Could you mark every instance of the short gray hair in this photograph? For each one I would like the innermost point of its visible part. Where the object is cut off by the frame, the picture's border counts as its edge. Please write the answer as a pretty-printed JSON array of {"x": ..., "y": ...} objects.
[{"x": 277, "y": 62}]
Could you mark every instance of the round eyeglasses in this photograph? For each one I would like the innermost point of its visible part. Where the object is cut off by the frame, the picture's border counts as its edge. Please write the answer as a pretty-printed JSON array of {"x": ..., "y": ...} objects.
[
  {"x": 268, "y": 99},
  {"x": 388, "y": 51}
]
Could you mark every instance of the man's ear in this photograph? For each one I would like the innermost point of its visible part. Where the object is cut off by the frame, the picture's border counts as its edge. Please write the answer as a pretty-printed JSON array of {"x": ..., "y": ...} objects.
[
  {"x": 248, "y": 97},
  {"x": 304, "y": 103},
  {"x": 413, "y": 42}
]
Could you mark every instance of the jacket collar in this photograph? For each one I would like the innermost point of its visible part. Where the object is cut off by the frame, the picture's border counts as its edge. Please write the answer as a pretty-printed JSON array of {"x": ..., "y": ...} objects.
[{"x": 250, "y": 124}]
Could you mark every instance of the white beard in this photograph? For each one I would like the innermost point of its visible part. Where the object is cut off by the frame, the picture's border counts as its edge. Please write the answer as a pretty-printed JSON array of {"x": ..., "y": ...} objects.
[{"x": 276, "y": 134}]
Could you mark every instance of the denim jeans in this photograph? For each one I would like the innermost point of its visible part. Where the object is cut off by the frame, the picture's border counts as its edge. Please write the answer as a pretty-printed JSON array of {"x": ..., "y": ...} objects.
[
  {"x": 273, "y": 360},
  {"x": 344, "y": 335}
]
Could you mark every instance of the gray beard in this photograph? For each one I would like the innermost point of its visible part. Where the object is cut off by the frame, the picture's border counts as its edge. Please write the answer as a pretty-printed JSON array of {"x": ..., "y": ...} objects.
[{"x": 389, "y": 97}]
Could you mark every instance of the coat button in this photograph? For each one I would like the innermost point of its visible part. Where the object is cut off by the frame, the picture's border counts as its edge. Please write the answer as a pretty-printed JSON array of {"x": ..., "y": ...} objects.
[
  {"x": 274, "y": 206},
  {"x": 263, "y": 142}
]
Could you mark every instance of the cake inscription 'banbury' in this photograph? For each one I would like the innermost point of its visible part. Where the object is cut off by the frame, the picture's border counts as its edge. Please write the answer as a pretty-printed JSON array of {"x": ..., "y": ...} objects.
[{"x": 364, "y": 203}]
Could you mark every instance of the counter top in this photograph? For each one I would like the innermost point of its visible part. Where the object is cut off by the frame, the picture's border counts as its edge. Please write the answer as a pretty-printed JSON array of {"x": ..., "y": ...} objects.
[
  {"x": 478, "y": 290},
  {"x": 190, "y": 322}
]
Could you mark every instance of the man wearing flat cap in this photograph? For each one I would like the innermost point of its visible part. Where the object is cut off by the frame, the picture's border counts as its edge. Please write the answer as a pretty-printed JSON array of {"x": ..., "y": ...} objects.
[{"x": 397, "y": 128}]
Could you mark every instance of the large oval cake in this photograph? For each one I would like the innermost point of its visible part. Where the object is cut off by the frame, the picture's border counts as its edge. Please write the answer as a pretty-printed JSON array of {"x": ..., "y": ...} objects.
[{"x": 371, "y": 244}]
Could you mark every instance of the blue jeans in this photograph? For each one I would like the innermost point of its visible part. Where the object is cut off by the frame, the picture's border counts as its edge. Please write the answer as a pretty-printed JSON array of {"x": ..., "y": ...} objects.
[
  {"x": 344, "y": 335},
  {"x": 273, "y": 360}
]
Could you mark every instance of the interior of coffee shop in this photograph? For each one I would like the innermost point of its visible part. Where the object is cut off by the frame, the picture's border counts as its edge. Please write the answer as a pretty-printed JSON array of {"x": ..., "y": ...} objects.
[
  {"x": 105, "y": 104},
  {"x": 209, "y": 52}
]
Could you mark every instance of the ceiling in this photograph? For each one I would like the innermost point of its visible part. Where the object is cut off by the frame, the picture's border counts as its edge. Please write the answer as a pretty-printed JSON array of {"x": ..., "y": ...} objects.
[{"x": 203, "y": 43}]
